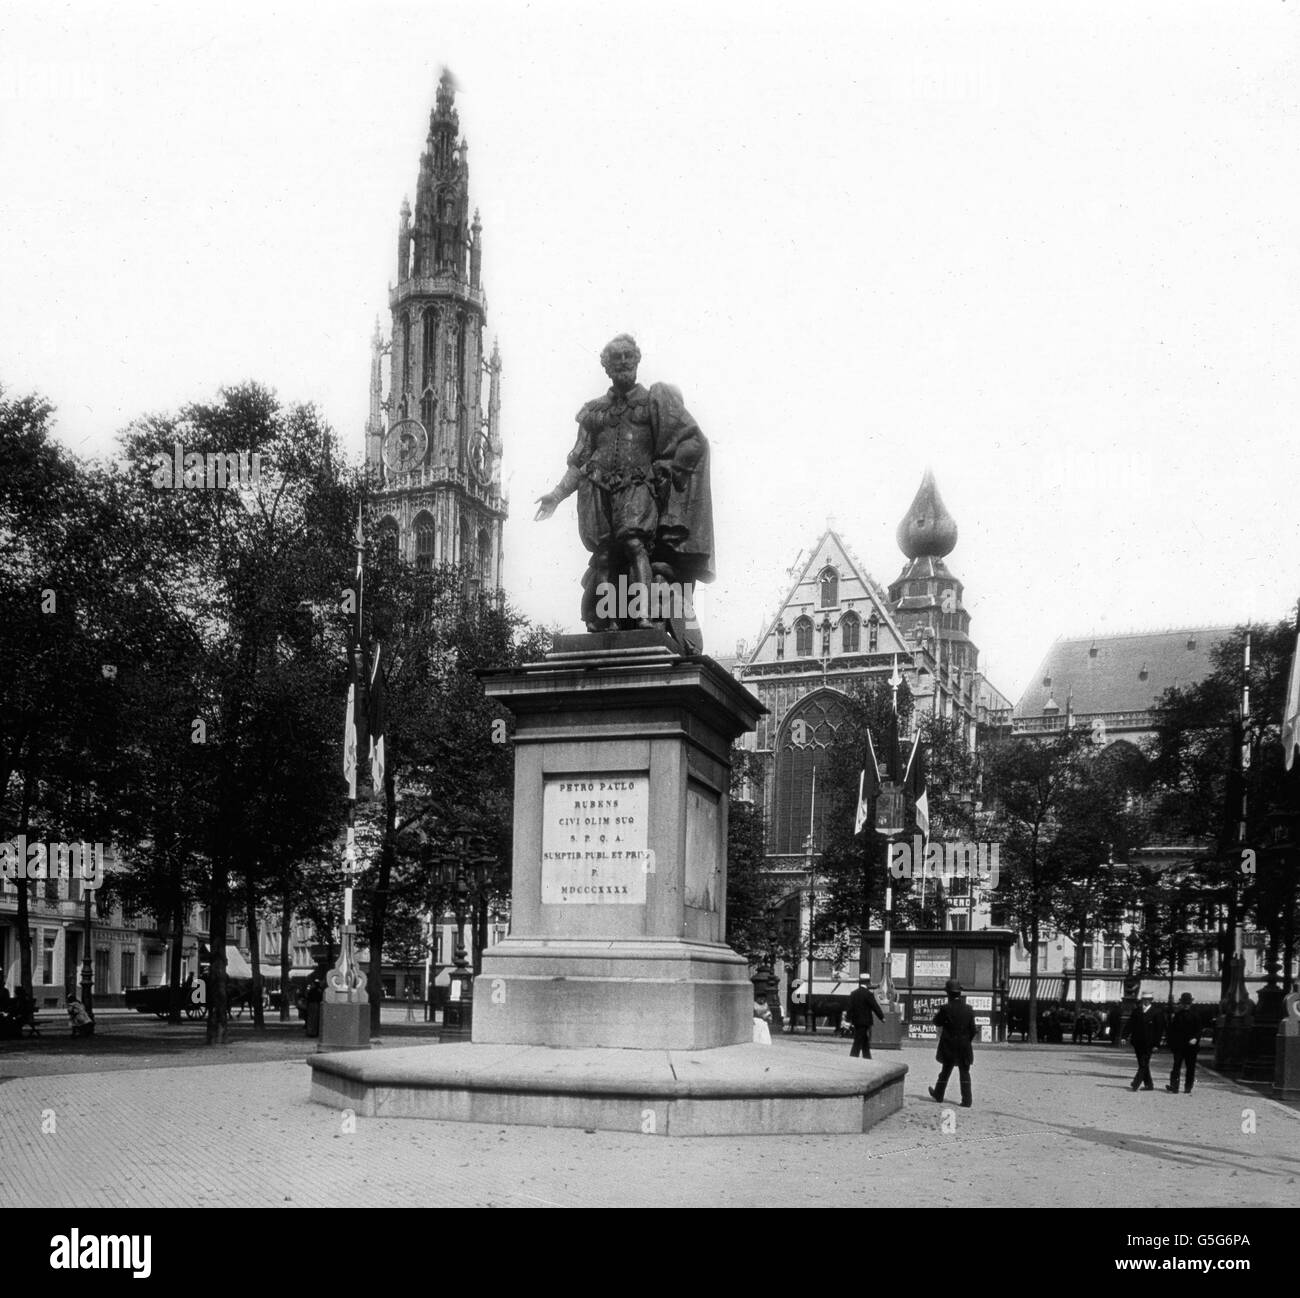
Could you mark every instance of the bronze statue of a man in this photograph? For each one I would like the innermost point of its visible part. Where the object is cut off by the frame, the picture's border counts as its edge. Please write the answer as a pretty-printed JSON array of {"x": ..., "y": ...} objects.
[{"x": 640, "y": 467}]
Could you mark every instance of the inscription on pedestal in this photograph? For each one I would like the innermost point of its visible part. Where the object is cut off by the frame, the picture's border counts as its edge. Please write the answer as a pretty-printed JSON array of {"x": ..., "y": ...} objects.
[{"x": 594, "y": 839}]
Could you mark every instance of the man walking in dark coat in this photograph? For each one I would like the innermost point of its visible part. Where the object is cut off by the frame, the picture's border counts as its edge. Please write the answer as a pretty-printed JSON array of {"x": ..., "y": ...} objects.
[
  {"x": 1145, "y": 1029},
  {"x": 1184, "y": 1041},
  {"x": 862, "y": 1005},
  {"x": 957, "y": 1030}
]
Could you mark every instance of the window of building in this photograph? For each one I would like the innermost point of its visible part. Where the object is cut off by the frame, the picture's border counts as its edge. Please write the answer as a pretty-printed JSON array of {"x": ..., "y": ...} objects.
[
  {"x": 1112, "y": 955},
  {"x": 850, "y": 633},
  {"x": 1206, "y": 962},
  {"x": 485, "y": 555},
  {"x": 425, "y": 542},
  {"x": 102, "y": 955},
  {"x": 959, "y": 921},
  {"x": 128, "y": 969},
  {"x": 829, "y": 587},
  {"x": 814, "y": 720},
  {"x": 1042, "y": 954},
  {"x": 49, "y": 938},
  {"x": 803, "y": 637},
  {"x": 822, "y": 968},
  {"x": 873, "y": 634}
]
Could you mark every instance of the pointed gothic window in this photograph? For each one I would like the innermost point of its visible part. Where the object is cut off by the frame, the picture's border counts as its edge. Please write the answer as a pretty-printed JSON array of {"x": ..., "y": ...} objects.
[
  {"x": 803, "y": 637},
  {"x": 428, "y": 408},
  {"x": 485, "y": 556},
  {"x": 829, "y": 585},
  {"x": 426, "y": 534},
  {"x": 850, "y": 633},
  {"x": 813, "y": 721}
]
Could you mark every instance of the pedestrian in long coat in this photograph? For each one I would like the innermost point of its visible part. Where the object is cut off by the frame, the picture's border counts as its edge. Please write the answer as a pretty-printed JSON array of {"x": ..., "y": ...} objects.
[
  {"x": 863, "y": 1007},
  {"x": 1184, "y": 1041},
  {"x": 957, "y": 1032}
]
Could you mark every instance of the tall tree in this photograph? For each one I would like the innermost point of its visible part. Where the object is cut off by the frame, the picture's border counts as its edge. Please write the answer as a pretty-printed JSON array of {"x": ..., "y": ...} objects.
[
  {"x": 1033, "y": 786},
  {"x": 256, "y": 549},
  {"x": 1199, "y": 782}
]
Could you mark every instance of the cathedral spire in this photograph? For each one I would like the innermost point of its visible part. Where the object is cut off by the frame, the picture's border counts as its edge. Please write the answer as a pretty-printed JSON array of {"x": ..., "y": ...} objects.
[{"x": 435, "y": 443}]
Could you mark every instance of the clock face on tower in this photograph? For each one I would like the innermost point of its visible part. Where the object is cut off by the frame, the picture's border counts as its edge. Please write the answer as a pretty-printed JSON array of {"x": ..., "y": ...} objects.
[{"x": 404, "y": 445}]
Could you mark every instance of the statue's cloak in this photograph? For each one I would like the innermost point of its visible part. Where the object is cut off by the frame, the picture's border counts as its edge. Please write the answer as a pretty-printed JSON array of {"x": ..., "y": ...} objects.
[{"x": 684, "y": 532}]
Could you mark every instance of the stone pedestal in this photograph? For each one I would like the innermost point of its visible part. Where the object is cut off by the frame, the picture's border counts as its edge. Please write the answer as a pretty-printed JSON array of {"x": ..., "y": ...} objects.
[
  {"x": 1286, "y": 1062},
  {"x": 618, "y": 908},
  {"x": 345, "y": 1009},
  {"x": 615, "y": 1002},
  {"x": 344, "y": 1025},
  {"x": 889, "y": 1034}
]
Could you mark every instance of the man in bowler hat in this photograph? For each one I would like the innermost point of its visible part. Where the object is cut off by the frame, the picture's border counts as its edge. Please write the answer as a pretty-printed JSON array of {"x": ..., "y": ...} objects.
[
  {"x": 1184, "y": 1041},
  {"x": 862, "y": 1005},
  {"x": 1145, "y": 1029},
  {"x": 957, "y": 1030}
]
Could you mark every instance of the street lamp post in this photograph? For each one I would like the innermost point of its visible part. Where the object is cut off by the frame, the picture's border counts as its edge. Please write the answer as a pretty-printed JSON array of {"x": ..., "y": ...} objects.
[
  {"x": 459, "y": 1014},
  {"x": 87, "y": 968},
  {"x": 468, "y": 854}
]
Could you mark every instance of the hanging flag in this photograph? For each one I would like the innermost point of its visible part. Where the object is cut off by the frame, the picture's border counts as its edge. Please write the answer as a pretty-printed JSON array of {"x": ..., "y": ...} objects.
[
  {"x": 1291, "y": 712},
  {"x": 868, "y": 787},
  {"x": 915, "y": 784},
  {"x": 377, "y": 722},
  {"x": 350, "y": 742}
]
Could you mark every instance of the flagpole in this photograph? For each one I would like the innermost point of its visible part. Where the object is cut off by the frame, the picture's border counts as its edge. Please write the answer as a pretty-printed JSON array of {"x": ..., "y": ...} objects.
[
  {"x": 1239, "y": 932},
  {"x": 812, "y": 903},
  {"x": 345, "y": 1014}
]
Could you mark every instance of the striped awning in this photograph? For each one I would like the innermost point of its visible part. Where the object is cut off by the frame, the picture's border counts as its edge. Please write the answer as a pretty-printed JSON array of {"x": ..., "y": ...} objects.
[
  {"x": 1051, "y": 987},
  {"x": 1097, "y": 988}
]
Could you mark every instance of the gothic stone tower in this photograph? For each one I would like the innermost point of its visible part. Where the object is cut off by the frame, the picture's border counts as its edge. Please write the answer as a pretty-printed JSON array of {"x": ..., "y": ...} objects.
[{"x": 434, "y": 446}]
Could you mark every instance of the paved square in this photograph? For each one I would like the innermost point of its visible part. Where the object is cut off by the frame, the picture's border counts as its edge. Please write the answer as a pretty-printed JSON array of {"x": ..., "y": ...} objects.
[{"x": 1052, "y": 1126}]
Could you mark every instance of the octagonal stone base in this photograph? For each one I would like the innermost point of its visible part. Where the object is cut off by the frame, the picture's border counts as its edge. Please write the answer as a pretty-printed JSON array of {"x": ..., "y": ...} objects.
[{"x": 745, "y": 1090}]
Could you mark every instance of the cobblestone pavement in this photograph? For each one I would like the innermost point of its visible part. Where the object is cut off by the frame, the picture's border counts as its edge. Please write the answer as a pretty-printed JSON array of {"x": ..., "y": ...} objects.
[{"x": 1052, "y": 1127}]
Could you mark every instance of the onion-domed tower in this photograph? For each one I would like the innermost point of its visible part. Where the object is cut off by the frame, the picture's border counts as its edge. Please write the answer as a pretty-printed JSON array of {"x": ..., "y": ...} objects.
[{"x": 926, "y": 599}]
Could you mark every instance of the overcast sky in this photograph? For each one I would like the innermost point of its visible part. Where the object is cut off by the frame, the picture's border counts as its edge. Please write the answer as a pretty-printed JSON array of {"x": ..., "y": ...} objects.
[{"x": 1052, "y": 251}]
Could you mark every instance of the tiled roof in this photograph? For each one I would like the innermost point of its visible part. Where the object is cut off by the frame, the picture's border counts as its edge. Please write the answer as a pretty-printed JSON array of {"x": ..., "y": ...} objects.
[{"x": 1104, "y": 673}]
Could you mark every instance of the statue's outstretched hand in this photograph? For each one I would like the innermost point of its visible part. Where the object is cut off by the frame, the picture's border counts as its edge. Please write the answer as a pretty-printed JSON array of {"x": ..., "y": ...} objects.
[{"x": 545, "y": 507}]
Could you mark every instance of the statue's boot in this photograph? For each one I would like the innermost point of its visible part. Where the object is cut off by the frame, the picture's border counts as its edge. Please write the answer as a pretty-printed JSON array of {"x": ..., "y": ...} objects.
[{"x": 639, "y": 565}]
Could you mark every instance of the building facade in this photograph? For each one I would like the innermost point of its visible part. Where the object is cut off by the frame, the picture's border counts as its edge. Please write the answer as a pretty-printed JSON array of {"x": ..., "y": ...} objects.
[
  {"x": 433, "y": 444},
  {"x": 838, "y": 628},
  {"x": 127, "y": 949}
]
